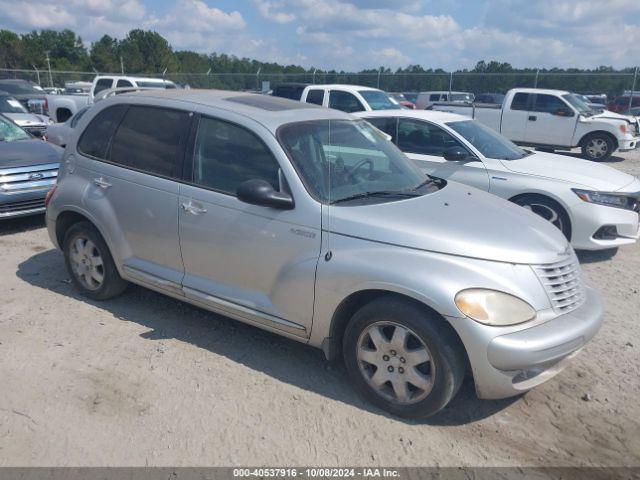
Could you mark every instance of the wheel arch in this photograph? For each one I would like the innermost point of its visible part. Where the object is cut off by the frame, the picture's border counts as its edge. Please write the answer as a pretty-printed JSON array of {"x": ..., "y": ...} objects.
[
  {"x": 613, "y": 138},
  {"x": 551, "y": 198},
  {"x": 332, "y": 345}
]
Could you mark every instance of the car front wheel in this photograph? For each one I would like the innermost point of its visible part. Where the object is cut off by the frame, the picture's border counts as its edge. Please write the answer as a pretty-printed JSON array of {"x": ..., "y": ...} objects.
[
  {"x": 597, "y": 147},
  {"x": 402, "y": 359}
]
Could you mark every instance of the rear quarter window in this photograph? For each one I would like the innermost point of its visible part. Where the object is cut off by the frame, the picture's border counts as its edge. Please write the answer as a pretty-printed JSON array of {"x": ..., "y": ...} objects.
[{"x": 95, "y": 138}]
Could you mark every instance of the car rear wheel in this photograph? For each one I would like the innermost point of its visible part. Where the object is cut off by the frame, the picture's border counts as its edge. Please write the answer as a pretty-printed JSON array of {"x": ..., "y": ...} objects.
[
  {"x": 597, "y": 147},
  {"x": 547, "y": 209},
  {"x": 90, "y": 263},
  {"x": 402, "y": 359}
]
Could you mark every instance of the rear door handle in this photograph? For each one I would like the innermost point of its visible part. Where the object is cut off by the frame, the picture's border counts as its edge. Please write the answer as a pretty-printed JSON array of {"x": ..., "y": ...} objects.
[
  {"x": 189, "y": 207},
  {"x": 102, "y": 183},
  {"x": 532, "y": 118}
]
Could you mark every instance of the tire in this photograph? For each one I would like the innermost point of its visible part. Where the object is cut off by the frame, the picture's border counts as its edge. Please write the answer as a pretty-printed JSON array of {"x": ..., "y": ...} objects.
[
  {"x": 548, "y": 209},
  {"x": 437, "y": 379},
  {"x": 597, "y": 147},
  {"x": 90, "y": 264}
]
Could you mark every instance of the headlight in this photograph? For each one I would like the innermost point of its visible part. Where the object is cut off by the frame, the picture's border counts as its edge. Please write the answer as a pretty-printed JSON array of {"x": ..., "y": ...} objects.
[
  {"x": 491, "y": 307},
  {"x": 613, "y": 199}
]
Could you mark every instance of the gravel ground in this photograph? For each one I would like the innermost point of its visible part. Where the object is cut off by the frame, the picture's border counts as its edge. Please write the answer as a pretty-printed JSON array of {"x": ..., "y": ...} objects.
[{"x": 147, "y": 380}]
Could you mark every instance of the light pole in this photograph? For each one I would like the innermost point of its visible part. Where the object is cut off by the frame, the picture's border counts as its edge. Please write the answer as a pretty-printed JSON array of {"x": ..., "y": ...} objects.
[
  {"x": 49, "y": 67},
  {"x": 633, "y": 88},
  {"x": 37, "y": 73}
]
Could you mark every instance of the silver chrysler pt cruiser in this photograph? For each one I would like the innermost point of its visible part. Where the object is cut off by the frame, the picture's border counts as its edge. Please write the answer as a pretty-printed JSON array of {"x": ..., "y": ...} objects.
[{"x": 308, "y": 222}]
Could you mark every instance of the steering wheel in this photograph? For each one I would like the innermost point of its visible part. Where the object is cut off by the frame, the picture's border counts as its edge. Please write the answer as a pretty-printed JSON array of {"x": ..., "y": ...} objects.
[{"x": 351, "y": 171}]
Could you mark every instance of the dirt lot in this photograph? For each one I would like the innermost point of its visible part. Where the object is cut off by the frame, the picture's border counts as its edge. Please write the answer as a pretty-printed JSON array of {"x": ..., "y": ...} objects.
[{"x": 146, "y": 380}]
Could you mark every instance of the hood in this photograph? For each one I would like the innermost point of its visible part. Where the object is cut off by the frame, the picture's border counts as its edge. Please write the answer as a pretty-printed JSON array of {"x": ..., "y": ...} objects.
[
  {"x": 608, "y": 115},
  {"x": 25, "y": 153},
  {"x": 456, "y": 220},
  {"x": 575, "y": 171},
  {"x": 27, "y": 119}
]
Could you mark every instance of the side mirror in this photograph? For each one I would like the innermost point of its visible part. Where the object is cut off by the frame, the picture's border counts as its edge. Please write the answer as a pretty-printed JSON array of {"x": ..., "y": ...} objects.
[
  {"x": 37, "y": 134},
  {"x": 457, "y": 154},
  {"x": 563, "y": 112},
  {"x": 260, "y": 192}
]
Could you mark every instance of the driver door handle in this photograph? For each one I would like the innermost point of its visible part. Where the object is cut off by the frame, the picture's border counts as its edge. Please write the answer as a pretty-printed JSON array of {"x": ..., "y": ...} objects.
[
  {"x": 532, "y": 118},
  {"x": 102, "y": 183},
  {"x": 189, "y": 207}
]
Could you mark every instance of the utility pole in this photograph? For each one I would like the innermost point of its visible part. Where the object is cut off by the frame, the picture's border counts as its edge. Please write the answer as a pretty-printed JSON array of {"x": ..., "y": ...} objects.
[
  {"x": 37, "y": 73},
  {"x": 450, "y": 84},
  {"x": 535, "y": 83},
  {"x": 49, "y": 67},
  {"x": 314, "y": 75},
  {"x": 121, "y": 65},
  {"x": 633, "y": 88},
  {"x": 379, "y": 73},
  {"x": 258, "y": 79}
]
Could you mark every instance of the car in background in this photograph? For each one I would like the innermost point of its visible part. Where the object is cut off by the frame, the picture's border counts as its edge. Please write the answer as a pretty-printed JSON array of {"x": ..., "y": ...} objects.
[
  {"x": 426, "y": 99},
  {"x": 28, "y": 93},
  {"x": 633, "y": 112},
  {"x": 28, "y": 171},
  {"x": 411, "y": 96},
  {"x": 595, "y": 206},
  {"x": 598, "y": 98},
  {"x": 59, "y": 133},
  {"x": 624, "y": 102},
  {"x": 554, "y": 120},
  {"x": 63, "y": 107},
  {"x": 349, "y": 98},
  {"x": 290, "y": 90},
  {"x": 33, "y": 123},
  {"x": 490, "y": 98},
  {"x": 596, "y": 107},
  {"x": 402, "y": 100},
  {"x": 324, "y": 232}
]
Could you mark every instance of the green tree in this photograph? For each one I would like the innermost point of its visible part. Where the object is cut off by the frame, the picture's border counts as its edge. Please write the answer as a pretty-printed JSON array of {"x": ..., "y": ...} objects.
[
  {"x": 11, "y": 51},
  {"x": 147, "y": 52},
  {"x": 104, "y": 55}
]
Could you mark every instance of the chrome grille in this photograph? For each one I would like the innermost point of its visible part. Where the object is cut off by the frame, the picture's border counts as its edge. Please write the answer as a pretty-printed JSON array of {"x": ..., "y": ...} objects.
[
  {"x": 563, "y": 283},
  {"x": 25, "y": 179},
  {"x": 17, "y": 207}
]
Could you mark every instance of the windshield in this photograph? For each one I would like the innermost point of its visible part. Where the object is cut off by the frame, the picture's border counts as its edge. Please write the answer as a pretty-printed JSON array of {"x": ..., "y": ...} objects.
[
  {"x": 576, "y": 102},
  {"x": 10, "y": 132},
  {"x": 20, "y": 87},
  {"x": 340, "y": 159},
  {"x": 487, "y": 142},
  {"x": 379, "y": 100},
  {"x": 11, "y": 105}
]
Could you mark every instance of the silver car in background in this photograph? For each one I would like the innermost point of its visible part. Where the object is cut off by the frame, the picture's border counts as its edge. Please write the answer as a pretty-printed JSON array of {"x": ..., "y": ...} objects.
[{"x": 309, "y": 223}]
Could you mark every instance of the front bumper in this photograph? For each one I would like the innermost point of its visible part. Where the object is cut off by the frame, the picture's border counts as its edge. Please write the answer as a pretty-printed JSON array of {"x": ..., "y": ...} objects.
[
  {"x": 23, "y": 204},
  {"x": 507, "y": 362},
  {"x": 628, "y": 144}
]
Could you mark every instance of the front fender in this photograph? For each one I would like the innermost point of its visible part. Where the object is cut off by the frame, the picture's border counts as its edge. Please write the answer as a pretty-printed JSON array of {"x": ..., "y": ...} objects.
[{"x": 431, "y": 278}]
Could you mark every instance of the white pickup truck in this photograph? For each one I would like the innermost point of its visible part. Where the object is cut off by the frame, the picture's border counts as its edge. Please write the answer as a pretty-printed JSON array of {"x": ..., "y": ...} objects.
[
  {"x": 554, "y": 120},
  {"x": 63, "y": 107}
]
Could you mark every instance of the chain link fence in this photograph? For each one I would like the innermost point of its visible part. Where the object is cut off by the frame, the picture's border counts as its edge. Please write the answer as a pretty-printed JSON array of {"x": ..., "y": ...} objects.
[{"x": 609, "y": 83}]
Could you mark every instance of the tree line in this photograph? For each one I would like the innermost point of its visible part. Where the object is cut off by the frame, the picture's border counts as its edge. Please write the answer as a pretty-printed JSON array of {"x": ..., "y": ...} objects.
[{"x": 147, "y": 52}]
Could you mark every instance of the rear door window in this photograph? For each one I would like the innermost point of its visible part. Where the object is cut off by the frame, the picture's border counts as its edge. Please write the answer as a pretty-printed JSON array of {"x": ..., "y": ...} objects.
[
  {"x": 388, "y": 125},
  {"x": 315, "y": 96},
  {"x": 520, "y": 102},
  {"x": 226, "y": 155},
  {"x": 95, "y": 138},
  {"x": 424, "y": 138},
  {"x": 103, "y": 84},
  {"x": 151, "y": 140},
  {"x": 123, "y": 83},
  {"x": 345, "y": 101}
]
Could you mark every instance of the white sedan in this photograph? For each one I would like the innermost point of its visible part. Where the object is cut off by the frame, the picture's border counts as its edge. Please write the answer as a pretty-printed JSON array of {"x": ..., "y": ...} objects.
[{"x": 595, "y": 206}]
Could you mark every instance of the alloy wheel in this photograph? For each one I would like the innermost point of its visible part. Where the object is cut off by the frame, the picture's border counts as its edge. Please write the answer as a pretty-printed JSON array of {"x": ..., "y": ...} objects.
[
  {"x": 87, "y": 263},
  {"x": 597, "y": 148},
  {"x": 395, "y": 362}
]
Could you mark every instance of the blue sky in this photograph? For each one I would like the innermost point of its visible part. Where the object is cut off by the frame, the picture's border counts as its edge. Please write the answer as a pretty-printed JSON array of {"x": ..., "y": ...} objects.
[{"x": 355, "y": 34}]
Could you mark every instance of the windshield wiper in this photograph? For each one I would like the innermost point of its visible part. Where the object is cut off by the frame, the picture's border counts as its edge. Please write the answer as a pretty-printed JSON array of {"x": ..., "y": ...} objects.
[{"x": 379, "y": 193}]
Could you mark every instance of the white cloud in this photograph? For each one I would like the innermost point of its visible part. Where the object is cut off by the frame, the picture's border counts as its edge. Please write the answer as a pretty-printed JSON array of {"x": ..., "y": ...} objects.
[{"x": 269, "y": 11}]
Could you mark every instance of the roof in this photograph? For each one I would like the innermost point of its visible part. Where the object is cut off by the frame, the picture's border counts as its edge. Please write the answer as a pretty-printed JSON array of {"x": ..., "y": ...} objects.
[
  {"x": 272, "y": 112},
  {"x": 344, "y": 86},
  {"x": 543, "y": 91},
  {"x": 430, "y": 115}
]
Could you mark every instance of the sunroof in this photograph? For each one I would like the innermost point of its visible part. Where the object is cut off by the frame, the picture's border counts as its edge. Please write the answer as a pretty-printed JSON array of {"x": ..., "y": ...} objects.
[{"x": 267, "y": 102}]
